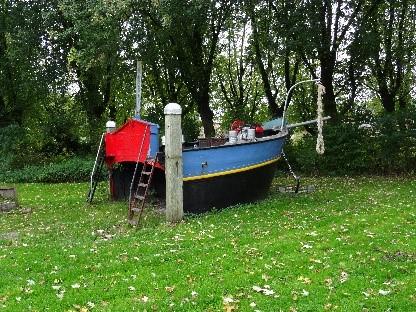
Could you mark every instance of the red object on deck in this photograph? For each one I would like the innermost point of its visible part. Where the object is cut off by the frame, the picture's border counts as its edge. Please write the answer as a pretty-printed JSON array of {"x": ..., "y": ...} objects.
[
  {"x": 259, "y": 131},
  {"x": 237, "y": 125},
  {"x": 123, "y": 145}
]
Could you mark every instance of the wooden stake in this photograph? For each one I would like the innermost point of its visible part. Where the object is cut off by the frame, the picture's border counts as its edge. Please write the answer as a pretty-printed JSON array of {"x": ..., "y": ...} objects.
[{"x": 173, "y": 163}]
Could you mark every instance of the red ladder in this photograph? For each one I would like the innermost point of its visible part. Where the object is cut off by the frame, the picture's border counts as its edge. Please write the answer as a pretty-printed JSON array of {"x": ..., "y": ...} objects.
[{"x": 137, "y": 200}]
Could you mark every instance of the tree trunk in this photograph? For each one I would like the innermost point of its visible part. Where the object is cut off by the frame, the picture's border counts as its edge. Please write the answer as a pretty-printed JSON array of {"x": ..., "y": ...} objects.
[
  {"x": 327, "y": 61},
  {"x": 387, "y": 99},
  {"x": 108, "y": 98},
  {"x": 329, "y": 96},
  {"x": 91, "y": 96},
  {"x": 352, "y": 79},
  {"x": 207, "y": 116},
  {"x": 404, "y": 97}
]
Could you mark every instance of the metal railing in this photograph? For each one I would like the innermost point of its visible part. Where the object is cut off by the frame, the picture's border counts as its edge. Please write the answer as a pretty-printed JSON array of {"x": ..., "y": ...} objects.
[{"x": 287, "y": 98}]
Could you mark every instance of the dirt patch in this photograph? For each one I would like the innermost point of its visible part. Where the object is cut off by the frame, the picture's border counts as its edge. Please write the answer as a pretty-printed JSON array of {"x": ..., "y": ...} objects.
[
  {"x": 400, "y": 256},
  {"x": 292, "y": 189}
]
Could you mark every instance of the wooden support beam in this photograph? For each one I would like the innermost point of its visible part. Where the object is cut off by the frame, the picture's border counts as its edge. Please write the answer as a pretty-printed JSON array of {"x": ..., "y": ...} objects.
[{"x": 173, "y": 163}]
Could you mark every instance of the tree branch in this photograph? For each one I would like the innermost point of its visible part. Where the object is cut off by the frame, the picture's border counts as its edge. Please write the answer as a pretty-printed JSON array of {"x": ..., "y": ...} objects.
[{"x": 348, "y": 25}]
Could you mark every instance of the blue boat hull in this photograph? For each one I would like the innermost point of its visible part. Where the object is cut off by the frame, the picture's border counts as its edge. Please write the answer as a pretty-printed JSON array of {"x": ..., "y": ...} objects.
[
  {"x": 200, "y": 162},
  {"x": 226, "y": 175}
]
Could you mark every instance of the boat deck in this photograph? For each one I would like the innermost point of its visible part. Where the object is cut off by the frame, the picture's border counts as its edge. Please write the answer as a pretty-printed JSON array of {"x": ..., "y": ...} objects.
[{"x": 217, "y": 142}]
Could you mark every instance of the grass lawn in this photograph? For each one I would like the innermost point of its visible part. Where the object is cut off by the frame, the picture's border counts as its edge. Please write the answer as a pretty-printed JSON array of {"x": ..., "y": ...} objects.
[{"x": 349, "y": 246}]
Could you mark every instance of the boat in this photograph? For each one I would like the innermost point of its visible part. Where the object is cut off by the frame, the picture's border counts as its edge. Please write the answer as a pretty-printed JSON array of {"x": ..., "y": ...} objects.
[{"x": 217, "y": 172}]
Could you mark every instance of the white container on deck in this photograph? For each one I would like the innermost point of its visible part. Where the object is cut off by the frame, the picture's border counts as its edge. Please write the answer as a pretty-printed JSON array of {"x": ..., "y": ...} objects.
[
  {"x": 232, "y": 136},
  {"x": 251, "y": 134}
]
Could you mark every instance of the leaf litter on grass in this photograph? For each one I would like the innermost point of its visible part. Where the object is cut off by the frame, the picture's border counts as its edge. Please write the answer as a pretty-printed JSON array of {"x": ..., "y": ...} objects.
[{"x": 332, "y": 248}]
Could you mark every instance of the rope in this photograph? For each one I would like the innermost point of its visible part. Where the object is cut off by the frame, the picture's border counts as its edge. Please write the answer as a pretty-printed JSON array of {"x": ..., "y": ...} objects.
[
  {"x": 320, "y": 147},
  {"x": 297, "y": 178}
]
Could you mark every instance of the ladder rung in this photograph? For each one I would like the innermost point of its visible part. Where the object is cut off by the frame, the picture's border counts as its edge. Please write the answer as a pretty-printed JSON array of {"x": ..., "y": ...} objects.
[
  {"x": 146, "y": 172},
  {"x": 139, "y": 197},
  {"x": 135, "y": 209},
  {"x": 143, "y": 184}
]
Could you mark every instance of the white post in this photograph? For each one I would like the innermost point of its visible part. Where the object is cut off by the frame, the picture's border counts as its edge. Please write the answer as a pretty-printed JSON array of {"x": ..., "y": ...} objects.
[{"x": 173, "y": 163}]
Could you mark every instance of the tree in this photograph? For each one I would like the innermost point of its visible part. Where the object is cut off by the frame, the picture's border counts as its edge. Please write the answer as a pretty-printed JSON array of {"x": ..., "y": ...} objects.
[
  {"x": 21, "y": 81},
  {"x": 94, "y": 31},
  {"x": 274, "y": 48},
  {"x": 324, "y": 34},
  {"x": 238, "y": 91},
  {"x": 83, "y": 41},
  {"x": 193, "y": 29},
  {"x": 389, "y": 34},
  {"x": 195, "y": 32},
  {"x": 150, "y": 42}
]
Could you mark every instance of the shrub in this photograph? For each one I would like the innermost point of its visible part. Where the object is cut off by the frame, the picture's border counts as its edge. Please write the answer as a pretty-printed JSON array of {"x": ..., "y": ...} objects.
[
  {"x": 73, "y": 169},
  {"x": 12, "y": 138},
  {"x": 388, "y": 146}
]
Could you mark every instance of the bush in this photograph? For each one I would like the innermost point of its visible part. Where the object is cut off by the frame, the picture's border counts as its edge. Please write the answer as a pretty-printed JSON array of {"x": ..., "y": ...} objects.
[
  {"x": 387, "y": 147},
  {"x": 12, "y": 139},
  {"x": 69, "y": 170}
]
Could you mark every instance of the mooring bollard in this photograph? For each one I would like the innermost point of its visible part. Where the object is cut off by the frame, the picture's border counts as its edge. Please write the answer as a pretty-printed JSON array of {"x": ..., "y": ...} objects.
[{"x": 173, "y": 163}]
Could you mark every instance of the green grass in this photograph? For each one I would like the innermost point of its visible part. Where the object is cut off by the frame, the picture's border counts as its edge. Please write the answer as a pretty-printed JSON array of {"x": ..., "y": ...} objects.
[{"x": 349, "y": 246}]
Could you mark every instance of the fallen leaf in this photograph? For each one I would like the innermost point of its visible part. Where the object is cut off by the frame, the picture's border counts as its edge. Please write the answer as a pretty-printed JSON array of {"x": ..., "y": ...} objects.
[
  {"x": 170, "y": 289},
  {"x": 343, "y": 277},
  {"x": 384, "y": 292}
]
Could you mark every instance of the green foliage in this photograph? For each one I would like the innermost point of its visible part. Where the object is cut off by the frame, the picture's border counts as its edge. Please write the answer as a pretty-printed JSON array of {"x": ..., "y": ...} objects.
[
  {"x": 58, "y": 127},
  {"x": 387, "y": 43},
  {"x": 11, "y": 138},
  {"x": 73, "y": 169},
  {"x": 54, "y": 132},
  {"x": 190, "y": 127},
  {"x": 389, "y": 146},
  {"x": 21, "y": 81},
  {"x": 67, "y": 66}
]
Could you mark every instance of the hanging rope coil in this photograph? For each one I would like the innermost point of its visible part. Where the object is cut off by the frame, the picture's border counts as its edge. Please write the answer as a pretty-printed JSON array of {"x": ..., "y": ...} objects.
[{"x": 320, "y": 147}]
